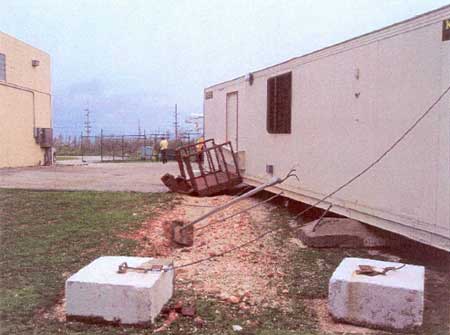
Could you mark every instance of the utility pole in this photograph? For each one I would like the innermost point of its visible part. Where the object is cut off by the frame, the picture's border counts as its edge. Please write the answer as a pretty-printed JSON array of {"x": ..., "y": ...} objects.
[
  {"x": 87, "y": 122},
  {"x": 87, "y": 127},
  {"x": 139, "y": 127},
  {"x": 176, "y": 123}
]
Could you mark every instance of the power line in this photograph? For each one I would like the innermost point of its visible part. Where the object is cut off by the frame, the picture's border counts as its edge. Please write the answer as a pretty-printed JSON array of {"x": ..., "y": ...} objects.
[
  {"x": 384, "y": 154},
  {"x": 239, "y": 212}
]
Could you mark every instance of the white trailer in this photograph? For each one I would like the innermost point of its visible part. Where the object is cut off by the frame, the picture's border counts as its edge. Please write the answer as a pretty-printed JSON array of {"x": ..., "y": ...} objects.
[{"x": 334, "y": 111}]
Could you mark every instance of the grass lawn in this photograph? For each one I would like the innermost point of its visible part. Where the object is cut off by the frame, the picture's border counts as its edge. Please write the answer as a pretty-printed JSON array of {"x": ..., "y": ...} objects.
[{"x": 47, "y": 235}]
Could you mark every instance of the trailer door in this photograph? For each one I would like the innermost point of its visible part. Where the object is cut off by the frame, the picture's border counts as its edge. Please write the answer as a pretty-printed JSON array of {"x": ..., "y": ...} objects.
[{"x": 232, "y": 119}]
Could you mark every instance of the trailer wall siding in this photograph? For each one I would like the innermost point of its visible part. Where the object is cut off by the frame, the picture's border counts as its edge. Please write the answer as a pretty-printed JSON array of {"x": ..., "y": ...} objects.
[{"x": 350, "y": 102}]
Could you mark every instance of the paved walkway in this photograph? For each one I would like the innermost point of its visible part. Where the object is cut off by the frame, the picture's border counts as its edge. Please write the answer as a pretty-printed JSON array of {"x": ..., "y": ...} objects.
[{"x": 138, "y": 177}]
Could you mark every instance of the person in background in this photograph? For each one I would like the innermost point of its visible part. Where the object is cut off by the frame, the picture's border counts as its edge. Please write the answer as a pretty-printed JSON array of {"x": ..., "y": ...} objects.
[
  {"x": 200, "y": 146},
  {"x": 163, "y": 146},
  {"x": 54, "y": 155}
]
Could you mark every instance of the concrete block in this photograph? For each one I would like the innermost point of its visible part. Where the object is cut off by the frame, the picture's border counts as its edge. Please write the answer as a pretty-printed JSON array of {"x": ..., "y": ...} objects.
[
  {"x": 394, "y": 300},
  {"x": 97, "y": 293}
]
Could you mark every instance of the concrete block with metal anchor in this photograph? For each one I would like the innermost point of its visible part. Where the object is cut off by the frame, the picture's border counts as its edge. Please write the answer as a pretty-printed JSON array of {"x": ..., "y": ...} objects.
[
  {"x": 377, "y": 294},
  {"x": 120, "y": 290}
]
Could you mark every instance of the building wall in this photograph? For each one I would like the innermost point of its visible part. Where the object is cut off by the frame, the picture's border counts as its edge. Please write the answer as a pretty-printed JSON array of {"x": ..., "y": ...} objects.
[
  {"x": 335, "y": 134},
  {"x": 25, "y": 103}
]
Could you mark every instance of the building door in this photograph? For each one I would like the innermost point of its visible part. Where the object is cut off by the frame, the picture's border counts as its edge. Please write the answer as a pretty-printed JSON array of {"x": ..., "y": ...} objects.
[{"x": 232, "y": 119}]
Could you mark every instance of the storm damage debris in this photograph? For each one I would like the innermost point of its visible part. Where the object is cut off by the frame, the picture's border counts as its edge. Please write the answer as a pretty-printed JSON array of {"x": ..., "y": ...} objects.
[
  {"x": 173, "y": 312},
  {"x": 206, "y": 168},
  {"x": 183, "y": 233},
  {"x": 254, "y": 275}
]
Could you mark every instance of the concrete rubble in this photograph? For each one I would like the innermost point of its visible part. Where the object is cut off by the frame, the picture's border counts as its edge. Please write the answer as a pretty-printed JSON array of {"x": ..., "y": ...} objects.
[
  {"x": 342, "y": 232},
  {"x": 394, "y": 300},
  {"x": 254, "y": 275},
  {"x": 98, "y": 293}
]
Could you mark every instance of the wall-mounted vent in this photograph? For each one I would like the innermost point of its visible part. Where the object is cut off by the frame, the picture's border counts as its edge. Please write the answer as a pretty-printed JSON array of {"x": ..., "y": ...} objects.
[
  {"x": 269, "y": 169},
  {"x": 249, "y": 78},
  {"x": 446, "y": 30},
  {"x": 44, "y": 137},
  {"x": 35, "y": 62},
  {"x": 208, "y": 95}
]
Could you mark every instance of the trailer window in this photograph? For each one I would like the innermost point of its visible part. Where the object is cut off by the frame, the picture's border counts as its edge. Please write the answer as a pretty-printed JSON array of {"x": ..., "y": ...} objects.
[
  {"x": 2, "y": 67},
  {"x": 279, "y": 93}
]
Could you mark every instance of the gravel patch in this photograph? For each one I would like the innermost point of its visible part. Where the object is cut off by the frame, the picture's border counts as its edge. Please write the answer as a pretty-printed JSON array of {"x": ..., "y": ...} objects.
[{"x": 251, "y": 277}]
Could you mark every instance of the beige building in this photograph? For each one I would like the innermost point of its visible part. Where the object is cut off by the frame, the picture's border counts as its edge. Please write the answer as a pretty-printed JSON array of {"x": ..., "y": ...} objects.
[
  {"x": 25, "y": 104},
  {"x": 333, "y": 112}
]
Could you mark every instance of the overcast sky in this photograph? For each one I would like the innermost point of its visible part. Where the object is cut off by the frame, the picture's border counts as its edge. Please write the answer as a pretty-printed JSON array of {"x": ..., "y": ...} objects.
[{"x": 133, "y": 60}]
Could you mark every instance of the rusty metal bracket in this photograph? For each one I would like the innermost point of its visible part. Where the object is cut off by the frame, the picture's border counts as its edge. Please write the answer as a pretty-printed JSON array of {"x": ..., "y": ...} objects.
[
  {"x": 368, "y": 270},
  {"x": 124, "y": 268}
]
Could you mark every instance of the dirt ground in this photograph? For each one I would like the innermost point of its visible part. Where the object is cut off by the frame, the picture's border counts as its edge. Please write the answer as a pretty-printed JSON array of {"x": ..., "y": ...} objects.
[
  {"x": 259, "y": 277},
  {"x": 72, "y": 175},
  {"x": 251, "y": 276}
]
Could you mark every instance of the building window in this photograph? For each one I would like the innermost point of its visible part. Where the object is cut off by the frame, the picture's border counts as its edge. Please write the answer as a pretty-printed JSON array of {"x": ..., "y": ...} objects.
[
  {"x": 279, "y": 93},
  {"x": 2, "y": 67}
]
